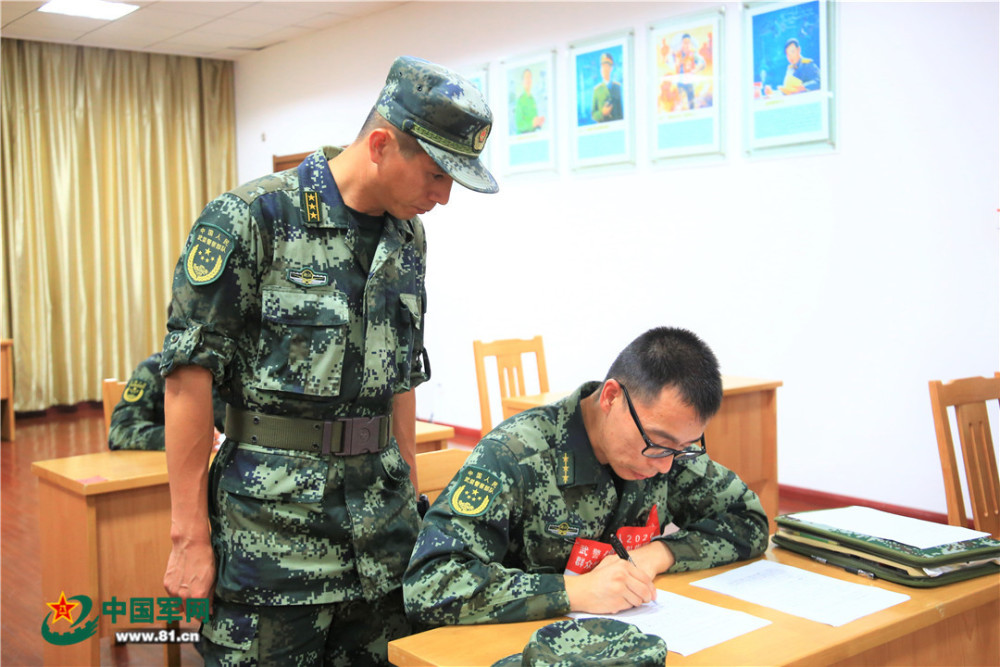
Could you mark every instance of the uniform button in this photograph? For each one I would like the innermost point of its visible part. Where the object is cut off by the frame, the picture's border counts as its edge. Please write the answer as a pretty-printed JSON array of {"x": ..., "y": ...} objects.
[
  {"x": 256, "y": 420},
  {"x": 253, "y": 439}
]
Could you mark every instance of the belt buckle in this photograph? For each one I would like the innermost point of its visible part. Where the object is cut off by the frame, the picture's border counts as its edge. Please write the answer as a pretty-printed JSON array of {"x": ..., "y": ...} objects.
[{"x": 361, "y": 436}]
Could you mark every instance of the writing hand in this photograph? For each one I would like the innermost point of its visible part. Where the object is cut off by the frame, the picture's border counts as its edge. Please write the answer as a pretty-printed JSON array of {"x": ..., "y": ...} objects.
[{"x": 613, "y": 586}]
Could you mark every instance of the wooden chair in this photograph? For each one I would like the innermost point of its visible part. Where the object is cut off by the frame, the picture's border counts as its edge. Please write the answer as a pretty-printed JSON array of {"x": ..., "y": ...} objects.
[
  {"x": 111, "y": 394},
  {"x": 969, "y": 397},
  {"x": 435, "y": 470},
  {"x": 510, "y": 370}
]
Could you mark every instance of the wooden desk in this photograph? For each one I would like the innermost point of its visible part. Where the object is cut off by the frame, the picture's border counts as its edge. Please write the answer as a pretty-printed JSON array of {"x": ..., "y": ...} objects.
[
  {"x": 105, "y": 531},
  {"x": 432, "y": 437},
  {"x": 7, "y": 389},
  {"x": 743, "y": 436},
  {"x": 952, "y": 625}
]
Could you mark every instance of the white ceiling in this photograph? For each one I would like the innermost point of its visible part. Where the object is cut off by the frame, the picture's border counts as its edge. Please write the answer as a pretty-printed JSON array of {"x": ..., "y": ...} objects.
[{"x": 206, "y": 29}]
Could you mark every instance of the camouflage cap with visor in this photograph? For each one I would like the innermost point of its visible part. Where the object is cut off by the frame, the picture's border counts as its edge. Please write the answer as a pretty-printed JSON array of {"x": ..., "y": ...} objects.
[
  {"x": 589, "y": 642},
  {"x": 446, "y": 114}
]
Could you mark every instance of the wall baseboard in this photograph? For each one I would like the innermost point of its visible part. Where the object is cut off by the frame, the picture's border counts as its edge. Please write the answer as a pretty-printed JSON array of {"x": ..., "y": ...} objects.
[{"x": 822, "y": 499}]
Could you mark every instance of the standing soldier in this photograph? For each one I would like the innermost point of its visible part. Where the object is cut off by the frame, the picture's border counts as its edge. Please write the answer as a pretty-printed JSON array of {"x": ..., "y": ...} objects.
[{"x": 301, "y": 295}]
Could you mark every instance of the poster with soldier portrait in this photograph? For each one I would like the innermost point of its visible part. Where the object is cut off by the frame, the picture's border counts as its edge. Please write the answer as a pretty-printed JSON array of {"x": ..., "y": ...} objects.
[
  {"x": 603, "y": 118},
  {"x": 685, "y": 92},
  {"x": 480, "y": 79},
  {"x": 788, "y": 74},
  {"x": 531, "y": 120}
]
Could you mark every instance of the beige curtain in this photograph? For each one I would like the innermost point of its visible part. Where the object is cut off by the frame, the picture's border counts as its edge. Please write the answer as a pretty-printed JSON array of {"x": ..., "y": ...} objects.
[{"x": 107, "y": 158}]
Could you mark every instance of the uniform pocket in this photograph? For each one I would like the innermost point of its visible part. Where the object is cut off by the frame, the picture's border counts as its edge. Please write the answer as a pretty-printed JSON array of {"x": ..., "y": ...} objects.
[
  {"x": 259, "y": 472},
  {"x": 302, "y": 341},
  {"x": 233, "y": 628},
  {"x": 394, "y": 465}
]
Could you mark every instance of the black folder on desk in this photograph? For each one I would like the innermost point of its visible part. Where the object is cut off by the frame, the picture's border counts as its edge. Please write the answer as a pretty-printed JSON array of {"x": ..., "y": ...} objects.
[{"x": 887, "y": 559}]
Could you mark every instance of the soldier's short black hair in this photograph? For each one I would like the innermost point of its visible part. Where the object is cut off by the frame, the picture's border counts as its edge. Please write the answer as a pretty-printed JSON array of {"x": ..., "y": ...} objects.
[
  {"x": 408, "y": 146},
  {"x": 671, "y": 357}
]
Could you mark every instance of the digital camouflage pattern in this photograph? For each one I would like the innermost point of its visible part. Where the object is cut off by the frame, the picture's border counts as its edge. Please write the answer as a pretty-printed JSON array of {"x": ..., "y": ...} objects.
[
  {"x": 300, "y": 636},
  {"x": 505, "y": 563},
  {"x": 282, "y": 312},
  {"x": 590, "y": 642},
  {"x": 447, "y": 115},
  {"x": 291, "y": 325},
  {"x": 137, "y": 420}
]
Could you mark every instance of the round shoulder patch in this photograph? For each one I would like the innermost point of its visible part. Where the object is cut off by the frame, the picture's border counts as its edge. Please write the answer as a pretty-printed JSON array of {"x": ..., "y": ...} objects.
[
  {"x": 134, "y": 391},
  {"x": 475, "y": 491},
  {"x": 209, "y": 252}
]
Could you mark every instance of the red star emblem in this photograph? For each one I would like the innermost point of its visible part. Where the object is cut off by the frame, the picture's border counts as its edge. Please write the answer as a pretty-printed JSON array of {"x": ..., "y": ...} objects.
[{"x": 63, "y": 608}]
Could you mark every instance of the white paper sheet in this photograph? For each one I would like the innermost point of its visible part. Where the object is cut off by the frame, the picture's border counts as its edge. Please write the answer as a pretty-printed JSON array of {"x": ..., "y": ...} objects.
[
  {"x": 801, "y": 593},
  {"x": 917, "y": 533},
  {"x": 686, "y": 625}
]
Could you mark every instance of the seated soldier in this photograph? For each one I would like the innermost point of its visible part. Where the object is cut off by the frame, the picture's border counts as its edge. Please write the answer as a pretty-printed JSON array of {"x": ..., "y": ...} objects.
[
  {"x": 137, "y": 421},
  {"x": 523, "y": 530}
]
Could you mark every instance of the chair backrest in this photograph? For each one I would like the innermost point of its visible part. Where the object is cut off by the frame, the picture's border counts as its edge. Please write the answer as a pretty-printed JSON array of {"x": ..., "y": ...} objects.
[
  {"x": 969, "y": 398},
  {"x": 111, "y": 394},
  {"x": 510, "y": 370},
  {"x": 435, "y": 469}
]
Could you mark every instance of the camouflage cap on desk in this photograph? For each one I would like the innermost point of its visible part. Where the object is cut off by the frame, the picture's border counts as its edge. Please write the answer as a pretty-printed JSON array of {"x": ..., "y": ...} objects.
[
  {"x": 591, "y": 642},
  {"x": 445, "y": 112}
]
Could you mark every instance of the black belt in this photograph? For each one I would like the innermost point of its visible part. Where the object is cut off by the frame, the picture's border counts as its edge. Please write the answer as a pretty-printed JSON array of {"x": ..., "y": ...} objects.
[{"x": 340, "y": 437}]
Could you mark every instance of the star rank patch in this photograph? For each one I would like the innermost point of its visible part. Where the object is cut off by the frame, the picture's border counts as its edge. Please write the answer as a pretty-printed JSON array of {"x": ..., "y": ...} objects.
[
  {"x": 475, "y": 491},
  {"x": 310, "y": 206},
  {"x": 134, "y": 391},
  {"x": 208, "y": 254}
]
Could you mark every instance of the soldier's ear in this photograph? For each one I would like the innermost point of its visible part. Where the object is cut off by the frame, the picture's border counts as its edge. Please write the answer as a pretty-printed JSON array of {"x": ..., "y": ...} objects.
[
  {"x": 610, "y": 392},
  {"x": 378, "y": 140}
]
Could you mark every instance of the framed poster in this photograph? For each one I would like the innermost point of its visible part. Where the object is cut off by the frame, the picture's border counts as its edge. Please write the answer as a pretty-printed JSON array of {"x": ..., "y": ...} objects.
[
  {"x": 788, "y": 69},
  {"x": 685, "y": 86},
  {"x": 530, "y": 107},
  {"x": 603, "y": 116},
  {"x": 480, "y": 79}
]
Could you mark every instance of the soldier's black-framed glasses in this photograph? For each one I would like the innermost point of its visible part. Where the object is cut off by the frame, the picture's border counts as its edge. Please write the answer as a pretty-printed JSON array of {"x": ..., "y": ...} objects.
[{"x": 655, "y": 451}]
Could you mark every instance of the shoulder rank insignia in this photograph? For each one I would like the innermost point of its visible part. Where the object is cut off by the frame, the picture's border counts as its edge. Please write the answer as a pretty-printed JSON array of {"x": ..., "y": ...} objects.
[
  {"x": 134, "y": 391},
  {"x": 566, "y": 474},
  {"x": 310, "y": 206},
  {"x": 474, "y": 492},
  {"x": 208, "y": 254},
  {"x": 307, "y": 277}
]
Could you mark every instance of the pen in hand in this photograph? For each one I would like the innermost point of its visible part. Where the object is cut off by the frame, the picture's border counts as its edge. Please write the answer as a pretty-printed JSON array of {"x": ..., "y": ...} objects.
[{"x": 619, "y": 548}]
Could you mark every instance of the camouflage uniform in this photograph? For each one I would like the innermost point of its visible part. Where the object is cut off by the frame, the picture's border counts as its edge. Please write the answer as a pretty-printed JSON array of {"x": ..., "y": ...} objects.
[
  {"x": 499, "y": 556},
  {"x": 137, "y": 421},
  {"x": 273, "y": 296}
]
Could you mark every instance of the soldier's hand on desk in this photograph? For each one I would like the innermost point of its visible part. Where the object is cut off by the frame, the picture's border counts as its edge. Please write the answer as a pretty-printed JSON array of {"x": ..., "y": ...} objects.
[
  {"x": 190, "y": 570},
  {"x": 614, "y": 585}
]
